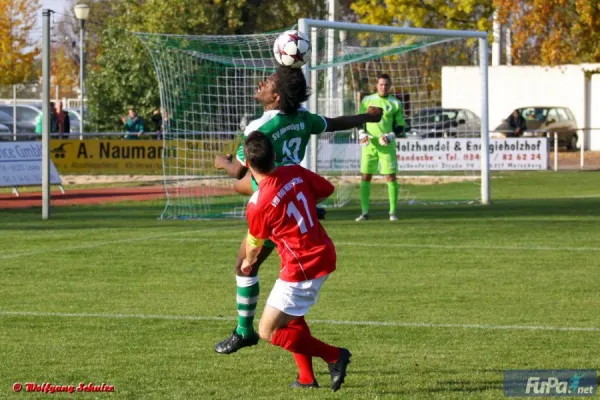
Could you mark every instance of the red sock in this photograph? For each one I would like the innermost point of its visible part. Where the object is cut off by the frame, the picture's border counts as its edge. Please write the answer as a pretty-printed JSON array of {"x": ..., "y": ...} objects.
[
  {"x": 296, "y": 338},
  {"x": 305, "y": 368}
]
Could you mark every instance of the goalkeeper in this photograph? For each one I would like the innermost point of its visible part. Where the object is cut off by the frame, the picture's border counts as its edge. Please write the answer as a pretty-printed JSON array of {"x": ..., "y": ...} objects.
[
  {"x": 378, "y": 145},
  {"x": 289, "y": 127}
]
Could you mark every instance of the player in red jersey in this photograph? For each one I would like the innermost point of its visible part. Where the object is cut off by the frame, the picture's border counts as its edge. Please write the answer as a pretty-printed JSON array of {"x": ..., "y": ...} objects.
[{"x": 283, "y": 209}]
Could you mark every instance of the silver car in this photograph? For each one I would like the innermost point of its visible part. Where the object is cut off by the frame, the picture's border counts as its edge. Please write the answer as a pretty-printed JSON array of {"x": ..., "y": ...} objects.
[{"x": 444, "y": 122}]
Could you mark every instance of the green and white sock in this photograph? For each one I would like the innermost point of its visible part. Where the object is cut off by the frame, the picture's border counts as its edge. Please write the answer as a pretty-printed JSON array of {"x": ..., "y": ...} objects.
[
  {"x": 247, "y": 297},
  {"x": 393, "y": 195},
  {"x": 365, "y": 194}
]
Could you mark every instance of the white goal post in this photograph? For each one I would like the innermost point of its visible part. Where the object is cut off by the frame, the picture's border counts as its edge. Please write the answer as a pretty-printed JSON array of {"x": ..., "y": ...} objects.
[{"x": 309, "y": 26}]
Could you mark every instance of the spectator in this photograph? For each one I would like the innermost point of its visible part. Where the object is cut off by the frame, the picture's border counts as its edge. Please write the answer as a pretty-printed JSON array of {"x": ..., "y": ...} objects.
[
  {"x": 517, "y": 123},
  {"x": 134, "y": 125},
  {"x": 38, "y": 123},
  {"x": 62, "y": 122},
  {"x": 157, "y": 120},
  {"x": 39, "y": 120}
]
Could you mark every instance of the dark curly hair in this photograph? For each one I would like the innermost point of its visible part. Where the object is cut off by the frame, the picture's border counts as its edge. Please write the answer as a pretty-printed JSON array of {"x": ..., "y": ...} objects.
[{"x": 290, "y": 85}]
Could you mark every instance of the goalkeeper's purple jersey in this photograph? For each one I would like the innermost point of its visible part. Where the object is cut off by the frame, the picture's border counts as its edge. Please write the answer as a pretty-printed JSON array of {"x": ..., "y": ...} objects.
[{"x": 289, "y": 134}]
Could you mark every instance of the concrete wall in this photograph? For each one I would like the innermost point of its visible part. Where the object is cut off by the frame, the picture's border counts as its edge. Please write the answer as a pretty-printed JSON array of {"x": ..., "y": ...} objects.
[
  {"x": 594, "y": 112},
  {"x": 510, "y": 87}
]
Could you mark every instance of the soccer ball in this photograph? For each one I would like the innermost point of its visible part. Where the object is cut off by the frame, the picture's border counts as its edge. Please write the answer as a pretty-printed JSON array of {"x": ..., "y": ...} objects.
[{"x": 292, "y": 49}]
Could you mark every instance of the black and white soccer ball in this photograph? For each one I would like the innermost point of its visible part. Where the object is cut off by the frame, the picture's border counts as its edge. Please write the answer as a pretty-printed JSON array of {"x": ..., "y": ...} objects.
[{"x": 292, "y": 49}]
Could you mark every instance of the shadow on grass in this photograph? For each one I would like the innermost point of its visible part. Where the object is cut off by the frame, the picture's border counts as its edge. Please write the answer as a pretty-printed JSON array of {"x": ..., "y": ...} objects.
[
  {"x": 146, "y": 214},
  {"x": 459, "y": 386},
  {"x": 506, "y": 209}
]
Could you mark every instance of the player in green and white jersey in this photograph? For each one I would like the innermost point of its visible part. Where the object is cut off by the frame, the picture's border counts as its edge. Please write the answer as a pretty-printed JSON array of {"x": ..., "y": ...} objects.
[
  {"x": 289, "y": 127},
  {"x": 378, "y": 145},
  {"x": 289, "y": 133}
]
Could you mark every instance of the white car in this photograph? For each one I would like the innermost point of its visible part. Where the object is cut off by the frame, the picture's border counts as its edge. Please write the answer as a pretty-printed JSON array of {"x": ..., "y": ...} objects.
[{"x": 75, "y": 119}]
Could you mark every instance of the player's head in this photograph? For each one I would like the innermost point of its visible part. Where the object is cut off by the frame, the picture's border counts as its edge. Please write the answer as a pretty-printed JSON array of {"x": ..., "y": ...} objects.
[
  {"x": 285, "y": 90},
  {"x": 384, "y": 83},
  {"x": 291, "y": 87},
  {"x": 259, "y": 152},
  {"x": 266, "y": 95}
]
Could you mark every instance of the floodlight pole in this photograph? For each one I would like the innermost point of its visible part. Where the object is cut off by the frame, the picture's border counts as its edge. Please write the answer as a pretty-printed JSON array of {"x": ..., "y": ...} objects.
[
  {"x": 82, "y": 12},
  {"x": 15, "y": 113},
  {"x": 81, "y": 76},
  {"x": 46, "y": 113}
]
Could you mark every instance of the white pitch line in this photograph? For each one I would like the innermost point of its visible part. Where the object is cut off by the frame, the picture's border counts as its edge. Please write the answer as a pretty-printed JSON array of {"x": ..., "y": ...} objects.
[
  {"x": 117, "y": 241},
  {"x": 315, "y": 321},
  {"x": 424, "y": 246}
]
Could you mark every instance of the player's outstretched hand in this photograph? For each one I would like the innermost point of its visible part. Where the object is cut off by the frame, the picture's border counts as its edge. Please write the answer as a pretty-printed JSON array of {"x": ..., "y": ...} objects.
[
  {"x": 363, "y": 138},
  {"x": 222, "y": 160},
  {"x": 384, "y": 140},
  {"x": 374, "y": 114}
]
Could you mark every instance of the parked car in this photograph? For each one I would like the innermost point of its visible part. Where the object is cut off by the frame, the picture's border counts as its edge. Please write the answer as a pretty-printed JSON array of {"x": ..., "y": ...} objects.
[
  {"x": 4, "y": 132},
  {"x": 25, "y": 113},
  {"x": 444, "y": 122},
  {"x": 74, "y": 119},
  {"x": 543, "y": 122},
  {"x": 29, "y": 114},
  {"x": 22, "y": 127}
]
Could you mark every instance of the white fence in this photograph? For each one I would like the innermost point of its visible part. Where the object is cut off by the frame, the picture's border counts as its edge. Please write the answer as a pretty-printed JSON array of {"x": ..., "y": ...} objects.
[{"x": 67, "y": 102}]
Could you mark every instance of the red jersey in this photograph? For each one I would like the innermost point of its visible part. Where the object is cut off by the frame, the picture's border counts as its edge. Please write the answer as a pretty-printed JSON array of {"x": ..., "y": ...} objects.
[{"x": 283, "y": 209}]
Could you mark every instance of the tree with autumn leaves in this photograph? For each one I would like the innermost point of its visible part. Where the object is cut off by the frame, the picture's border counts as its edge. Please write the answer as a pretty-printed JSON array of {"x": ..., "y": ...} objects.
[
  {"x": 543, "y": 31},
  {"x": 17, "y": 52},
  {"x": 120, "y": 71},
  {"x": 553, "y": 31}
]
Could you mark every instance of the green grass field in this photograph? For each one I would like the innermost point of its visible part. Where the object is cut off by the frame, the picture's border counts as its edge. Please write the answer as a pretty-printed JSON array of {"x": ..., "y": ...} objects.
[{"x": 436, "y": 305}]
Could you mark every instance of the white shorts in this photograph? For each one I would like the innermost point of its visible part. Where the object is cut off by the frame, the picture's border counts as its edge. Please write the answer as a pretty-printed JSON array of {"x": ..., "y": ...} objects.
[{"x": 295, "y": 298}]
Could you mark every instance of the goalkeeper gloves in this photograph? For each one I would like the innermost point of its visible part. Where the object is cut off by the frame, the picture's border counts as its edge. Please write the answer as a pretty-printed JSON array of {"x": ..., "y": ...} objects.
[
  {"x": 384, "y": 140},
  {"x": 363, "y": 138}
]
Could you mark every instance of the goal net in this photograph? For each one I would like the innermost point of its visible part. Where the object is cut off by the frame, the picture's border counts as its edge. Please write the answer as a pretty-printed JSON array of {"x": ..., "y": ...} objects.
[
  {"x": 207, "y": 86},
  {"x": 439, "y": 155}
]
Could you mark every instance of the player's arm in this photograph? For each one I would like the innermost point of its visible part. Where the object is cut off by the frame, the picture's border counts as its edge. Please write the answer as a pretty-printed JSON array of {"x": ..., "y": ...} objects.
[
  {"x": 236, "y": 168},
  {"x": 399, "y": 122},
  {"x": 320, "y": 187},
  {"x": 253, "y": 247},
  {"x": 258, "y": 230},
  {"x": 345, "y": 122},
  {"x": 232, "y": 166}
]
